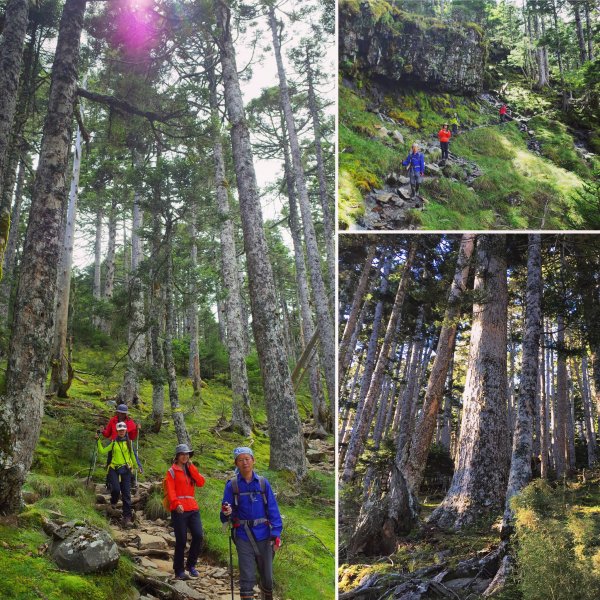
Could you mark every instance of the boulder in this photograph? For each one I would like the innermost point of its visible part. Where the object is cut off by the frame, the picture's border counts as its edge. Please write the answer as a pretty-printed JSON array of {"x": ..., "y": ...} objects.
[
  {"x": 385, "y": 197},
  {"x": 398, "y": 137},
  {"x": 395, "y": 179},
  {"x": 405, "y": 192},
  {"x": 147, "y": 541},
  {"x": 433, "y": 169},
  {"x": 382, "y": 132},
  {"x": 410, "y": 50},
  {"x": 186, "y": 591},
  {"x": 315, "y": 456},
  {"x": 85, "y": 550}
]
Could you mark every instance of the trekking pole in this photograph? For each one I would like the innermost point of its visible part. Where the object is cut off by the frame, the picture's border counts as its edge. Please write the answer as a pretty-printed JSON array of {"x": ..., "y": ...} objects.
[
  {"x": 231, "y": 556},
  {"x": 92, "y": 463},
  {"x": 137, "y": 447}
]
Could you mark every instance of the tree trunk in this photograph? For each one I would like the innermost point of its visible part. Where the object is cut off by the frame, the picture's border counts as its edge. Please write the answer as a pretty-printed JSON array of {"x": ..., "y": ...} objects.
[
  {"x": 11, "y": 57},
  {"x": 130, "y": 392},
  {"x": 6, "y": 284},
  {"x": 109, "y": 281},
  {"x": 579, "y": 29},
  {"x": 30, "y": 346},
  {"x": 362, "y": 425},
  {"x": 544, "y": 419},
  {"x": 479, "y": 483},
  {"x": 194, "y": 368},
  {"x": 520, "y": 466},
  {"x": 445, "y": 437},
  {"x": 345, "y": 349},
  {"x": 328, "y": 213},
  {"x": 562, "y": 417},
  {"x": 539, "y": 55},
  {"x": 588, "y": 411},
  {"x": 321, "y": 302},
  {"x": 588, "y": 30},
  {"x": 241, "y": 417},
  {"x": 176, "y": 412},
  {"x": 97, "y": 289},
  {"x": 60, "y": 379},
  {"x": 421, "y": 441},
  {"x": 322, "y": 420},
  {"x": 287, "y": 443}
]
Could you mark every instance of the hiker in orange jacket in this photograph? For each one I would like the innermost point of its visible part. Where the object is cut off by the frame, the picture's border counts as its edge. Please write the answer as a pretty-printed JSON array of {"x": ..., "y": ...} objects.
[
  {"x": 444, "y": 136},
  {"x": 181, "y": 480}
]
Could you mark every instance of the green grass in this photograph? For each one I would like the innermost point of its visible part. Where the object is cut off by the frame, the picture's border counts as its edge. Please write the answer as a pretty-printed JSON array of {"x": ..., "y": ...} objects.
[
  {"x": 518, "y": 189},
  {"x": 304, "y": 568},
  {"x": 26, "y": 574},
  {"x": 558, "y": 540}
]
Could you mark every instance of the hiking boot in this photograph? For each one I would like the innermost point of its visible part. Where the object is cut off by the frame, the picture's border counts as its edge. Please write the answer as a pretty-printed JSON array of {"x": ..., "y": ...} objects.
[
  {"x": 127, "y": 522},
  {"x": 182, "y": 576},
  {"x": 193, "y": 573}
]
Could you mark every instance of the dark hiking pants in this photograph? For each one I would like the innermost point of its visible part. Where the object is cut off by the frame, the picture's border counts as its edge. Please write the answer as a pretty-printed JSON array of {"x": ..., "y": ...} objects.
[
  {"x": 249, "y": 562},
  {"x": 120, "y": 484},
  {"x": 415, "y": 181},
  {"x": 444, "y": 146},
  {"x": 454, "y": 129},
  {"x": 190, "y": 519}
]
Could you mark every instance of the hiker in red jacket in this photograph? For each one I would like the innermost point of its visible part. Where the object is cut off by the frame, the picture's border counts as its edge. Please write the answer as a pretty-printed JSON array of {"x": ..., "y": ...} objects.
[
  {"x": 180, "y": 480},
  {"x": 503, "y": 110},
  {"x": 444, "y": 136},
  {"x": 110, "y": 431}
]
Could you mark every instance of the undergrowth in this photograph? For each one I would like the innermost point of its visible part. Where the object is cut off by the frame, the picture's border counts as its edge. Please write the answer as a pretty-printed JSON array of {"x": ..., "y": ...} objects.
[{"x": 303, "y": 569}]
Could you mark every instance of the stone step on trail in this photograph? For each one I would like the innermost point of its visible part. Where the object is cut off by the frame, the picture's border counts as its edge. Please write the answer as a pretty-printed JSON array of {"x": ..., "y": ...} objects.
[{"x": 150, "y": 545}]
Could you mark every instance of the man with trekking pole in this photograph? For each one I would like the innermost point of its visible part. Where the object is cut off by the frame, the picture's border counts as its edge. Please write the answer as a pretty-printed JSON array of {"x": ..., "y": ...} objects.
[{"x": 250, "y": 507}]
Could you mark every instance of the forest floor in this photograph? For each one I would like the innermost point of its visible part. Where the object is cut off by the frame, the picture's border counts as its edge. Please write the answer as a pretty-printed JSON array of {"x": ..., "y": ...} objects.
[
  {"x": 556, "y": 550},
  {"x": 498, "y": 177},
  {"x": 304, "y": 565}
]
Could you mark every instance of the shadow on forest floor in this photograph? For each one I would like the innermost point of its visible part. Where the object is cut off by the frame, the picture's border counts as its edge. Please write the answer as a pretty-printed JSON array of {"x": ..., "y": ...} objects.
[{"x": 555, "y": 551}]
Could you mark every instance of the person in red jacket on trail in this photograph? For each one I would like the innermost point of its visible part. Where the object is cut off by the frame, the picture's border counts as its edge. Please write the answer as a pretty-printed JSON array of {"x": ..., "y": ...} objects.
[
  {"x": 181, "y": 480},
  {"x": 503, "y": 110},
  {"x": 444, "y": 136},
  {"x": 110, "y": 431}
]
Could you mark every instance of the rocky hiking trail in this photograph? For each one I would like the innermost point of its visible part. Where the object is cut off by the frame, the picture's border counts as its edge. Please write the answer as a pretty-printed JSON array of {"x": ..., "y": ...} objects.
[
  {"x": 150, "y": 543},
  {"x": 389, "y": 207}
]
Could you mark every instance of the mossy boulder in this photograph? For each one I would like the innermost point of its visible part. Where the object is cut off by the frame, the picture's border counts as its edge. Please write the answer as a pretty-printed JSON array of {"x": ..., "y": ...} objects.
[{"x": 399, "y": 47}]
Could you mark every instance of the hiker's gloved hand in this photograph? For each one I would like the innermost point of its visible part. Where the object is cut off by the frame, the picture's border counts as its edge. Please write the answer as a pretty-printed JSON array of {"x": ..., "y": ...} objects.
[
  {"x": 179, "y": 508},
  {"x": 226, "y": 509},
  {"x": 276, "y": 543}
]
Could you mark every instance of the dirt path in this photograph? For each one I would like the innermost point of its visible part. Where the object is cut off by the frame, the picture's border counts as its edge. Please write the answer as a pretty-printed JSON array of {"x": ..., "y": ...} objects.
[
  {"x": 151, "y": 543},
  {"x": 390, "y": 207}
]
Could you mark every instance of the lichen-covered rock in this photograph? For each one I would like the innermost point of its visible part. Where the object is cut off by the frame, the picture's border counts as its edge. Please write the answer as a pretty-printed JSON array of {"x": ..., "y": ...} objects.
[
  {"x": 379, "y": 40},
  {"x": 85, "y": 550}
]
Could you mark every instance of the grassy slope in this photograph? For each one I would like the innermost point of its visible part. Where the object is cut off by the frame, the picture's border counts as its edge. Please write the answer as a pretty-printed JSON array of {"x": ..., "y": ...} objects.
[
  {"x": 517, "y": 186},
  {"x": 303, "y": 569}
]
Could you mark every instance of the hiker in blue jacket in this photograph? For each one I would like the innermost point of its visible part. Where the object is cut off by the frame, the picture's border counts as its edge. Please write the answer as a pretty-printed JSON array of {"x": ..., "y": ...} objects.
[
  {"x": 250, "y": 505},
  {"x": 415, "y": 161}
]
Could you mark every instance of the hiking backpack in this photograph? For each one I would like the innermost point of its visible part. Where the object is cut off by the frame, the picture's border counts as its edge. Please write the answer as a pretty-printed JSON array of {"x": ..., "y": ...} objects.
[
  {"x": 165, "y": 502},
  {"x": 236, "y": 491}
]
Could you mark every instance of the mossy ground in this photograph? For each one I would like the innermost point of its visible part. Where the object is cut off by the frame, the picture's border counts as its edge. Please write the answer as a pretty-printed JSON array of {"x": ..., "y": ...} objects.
[
  {"x": 304, "y": 568},
  {"x": 556, "y": 546},
  {"x": 518, "y": 189},
  {"x": 419, "y": 549}
]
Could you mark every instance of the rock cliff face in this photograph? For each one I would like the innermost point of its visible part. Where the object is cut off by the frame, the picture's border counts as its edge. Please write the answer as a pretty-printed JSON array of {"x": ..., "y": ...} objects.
[{"x": 379, "y": 40}]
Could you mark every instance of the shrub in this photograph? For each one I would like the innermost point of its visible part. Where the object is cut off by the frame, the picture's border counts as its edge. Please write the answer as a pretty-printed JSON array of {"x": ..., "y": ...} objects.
[{"x": 154, "y": 508}]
